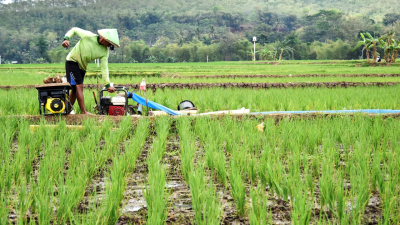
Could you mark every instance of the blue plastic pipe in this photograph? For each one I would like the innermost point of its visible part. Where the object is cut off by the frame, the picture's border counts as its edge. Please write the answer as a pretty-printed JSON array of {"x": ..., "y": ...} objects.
[
  {"x": 152, "y": 104},
  {"x": 375, "y": 111}
]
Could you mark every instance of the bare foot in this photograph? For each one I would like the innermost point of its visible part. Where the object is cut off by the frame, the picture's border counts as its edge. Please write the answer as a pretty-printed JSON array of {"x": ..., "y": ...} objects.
[{"x": 88, "y": 113}]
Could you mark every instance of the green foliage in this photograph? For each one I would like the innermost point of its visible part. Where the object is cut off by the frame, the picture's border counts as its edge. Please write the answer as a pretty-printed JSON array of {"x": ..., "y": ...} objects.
[
  {"x": 26, "y": 35},
  {"x": 333, "y": 50}
]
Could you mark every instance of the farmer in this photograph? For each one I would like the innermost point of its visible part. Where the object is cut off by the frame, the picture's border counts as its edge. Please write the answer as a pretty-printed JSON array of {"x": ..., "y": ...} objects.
[{"x": 90, "y": 47}]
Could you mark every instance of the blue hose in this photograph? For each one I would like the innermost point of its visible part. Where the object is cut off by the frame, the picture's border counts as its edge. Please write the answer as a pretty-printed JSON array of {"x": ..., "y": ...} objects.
[
  {"x": 152, "y": 104},
  {"x": 172, "y": 112},
  {"x": 375, "y": 111}
]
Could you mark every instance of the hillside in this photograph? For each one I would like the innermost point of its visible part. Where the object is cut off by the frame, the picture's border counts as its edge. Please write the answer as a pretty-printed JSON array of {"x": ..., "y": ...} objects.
[{"x": 29, "y": 29}]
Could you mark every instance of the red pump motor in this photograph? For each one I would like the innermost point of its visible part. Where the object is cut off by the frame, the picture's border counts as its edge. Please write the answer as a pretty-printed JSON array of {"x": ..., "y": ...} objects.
[{"x": 116, "y": 110}]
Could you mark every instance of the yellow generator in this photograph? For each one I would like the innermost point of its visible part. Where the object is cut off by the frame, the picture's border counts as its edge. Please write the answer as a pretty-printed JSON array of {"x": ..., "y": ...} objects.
[{"x": 54, "y": 99}]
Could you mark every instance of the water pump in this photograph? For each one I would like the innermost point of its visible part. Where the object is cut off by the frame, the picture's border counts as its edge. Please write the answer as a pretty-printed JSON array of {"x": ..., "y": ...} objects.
[{"x": 115, "y": 106}]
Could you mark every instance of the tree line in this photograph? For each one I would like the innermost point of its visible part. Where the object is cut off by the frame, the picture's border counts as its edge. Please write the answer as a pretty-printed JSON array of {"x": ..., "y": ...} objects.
[{"x": 34, "y": 34}]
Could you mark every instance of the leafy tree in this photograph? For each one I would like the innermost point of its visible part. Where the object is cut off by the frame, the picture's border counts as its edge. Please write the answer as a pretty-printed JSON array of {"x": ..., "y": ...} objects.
[
  {"x": 140, "y": 51},
  {"x": 391, "y": 18},
  {"x": 294, "y": 42},
  {"x": 333, "y": 50},
  {"x": 42, "y": 45},
  {"x": 216, "y": 8}
]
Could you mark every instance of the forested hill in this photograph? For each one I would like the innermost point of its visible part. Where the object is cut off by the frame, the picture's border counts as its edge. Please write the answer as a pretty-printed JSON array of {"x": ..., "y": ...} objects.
[{"x": 31, "y": 31}]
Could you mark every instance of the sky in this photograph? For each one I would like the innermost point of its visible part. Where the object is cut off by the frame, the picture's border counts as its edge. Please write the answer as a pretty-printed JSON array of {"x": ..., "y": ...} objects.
[{"x": 7, "y": 1}]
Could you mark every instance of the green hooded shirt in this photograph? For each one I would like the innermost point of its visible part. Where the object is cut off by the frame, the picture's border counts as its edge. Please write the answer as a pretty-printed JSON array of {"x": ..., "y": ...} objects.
[{"x": 88, "y": 49}]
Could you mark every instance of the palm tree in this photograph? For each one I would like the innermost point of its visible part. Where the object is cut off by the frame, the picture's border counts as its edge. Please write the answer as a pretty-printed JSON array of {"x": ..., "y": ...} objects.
[
  {"x": 283, "y": 47},
  {"x": 211, "y": 31},
  {"x": 365, "y": 42},
  {"x": 197, "y": 31},
  {"x": 279, "y": 24}
]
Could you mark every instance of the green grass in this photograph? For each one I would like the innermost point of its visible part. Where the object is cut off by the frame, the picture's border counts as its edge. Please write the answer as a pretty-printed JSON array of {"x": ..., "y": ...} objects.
[
  {"x": 336, "y": 164},
  {"x": 24, "y": 101},
  {"x": 25, "y": 74}
]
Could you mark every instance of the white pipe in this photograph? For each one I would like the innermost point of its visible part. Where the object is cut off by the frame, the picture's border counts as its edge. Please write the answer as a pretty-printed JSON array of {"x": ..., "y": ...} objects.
[{"x": 254, "y": 58}]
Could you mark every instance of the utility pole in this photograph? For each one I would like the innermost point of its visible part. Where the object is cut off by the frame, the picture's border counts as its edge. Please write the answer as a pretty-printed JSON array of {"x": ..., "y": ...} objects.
[
  {"x": 254, "y": 53},
  {"x": 0, "y": 59}
]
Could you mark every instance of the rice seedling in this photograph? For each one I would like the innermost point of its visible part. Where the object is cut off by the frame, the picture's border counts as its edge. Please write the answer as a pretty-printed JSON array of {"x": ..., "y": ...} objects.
[
  {"x": 4, "y": 207},
  {"x": 302, "y": 204},
  {"x": 359, "y": 191},
  {"x": 327, "y": 184},
  {"x": 204, "y": 200},
  {"x": 123, "y": 163},
  {"x": 219, "y": 165},
  {"x": 84, "y": 160},
  {"x": 238, "y": 188},
  {"x": 154, "y": 192},
  {"x": 187, "y": 147},
  {"x": 212, "y": 211},
  {"x": 342, "y": 196},
  {"x": 277, "y": 179},
  {"x": 24, "y": 200},
  {"x": 114, "y": 191},
  {"x": 258, "y": 214}
]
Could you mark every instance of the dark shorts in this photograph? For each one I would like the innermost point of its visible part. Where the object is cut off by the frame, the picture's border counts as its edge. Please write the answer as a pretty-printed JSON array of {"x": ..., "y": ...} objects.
[{"x": 74, "y": 74}]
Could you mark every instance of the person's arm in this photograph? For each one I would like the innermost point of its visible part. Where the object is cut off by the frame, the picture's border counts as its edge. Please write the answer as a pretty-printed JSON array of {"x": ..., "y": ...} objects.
[
  {"x": 105, "y": 74},
  {"x": 75, "y": 31}
]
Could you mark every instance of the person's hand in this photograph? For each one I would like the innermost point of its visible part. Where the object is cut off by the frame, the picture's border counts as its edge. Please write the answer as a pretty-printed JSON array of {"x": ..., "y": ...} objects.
[
  {"x": 111, "y": 89},
  {"x": 65, "y": 43}
]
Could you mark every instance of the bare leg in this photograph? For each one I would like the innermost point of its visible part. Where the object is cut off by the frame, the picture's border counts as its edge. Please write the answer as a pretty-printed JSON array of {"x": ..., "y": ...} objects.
[
  {"x": 72, "y": 96},
  {"x": 80, "y": 98}
]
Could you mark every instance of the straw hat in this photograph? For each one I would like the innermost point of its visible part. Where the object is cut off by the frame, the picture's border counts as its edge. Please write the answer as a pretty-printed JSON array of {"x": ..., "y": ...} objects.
[{"x": 111, "y": 35}]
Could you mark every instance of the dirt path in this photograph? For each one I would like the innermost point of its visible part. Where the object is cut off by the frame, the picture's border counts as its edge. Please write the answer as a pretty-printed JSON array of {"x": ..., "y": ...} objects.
[
  {"x": 78, "y": 119},
  {"x": 233, "y": 76},
  {"x": 162, "y": 86}
]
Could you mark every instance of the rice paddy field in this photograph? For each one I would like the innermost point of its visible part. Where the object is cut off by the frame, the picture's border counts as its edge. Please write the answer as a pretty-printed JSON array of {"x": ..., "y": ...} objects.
[{"x": 330, "y": 169}]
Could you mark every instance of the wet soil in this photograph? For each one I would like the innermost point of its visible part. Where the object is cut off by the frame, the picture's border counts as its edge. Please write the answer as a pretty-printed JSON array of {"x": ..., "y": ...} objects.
[
  {"x": 162, "y": 86},
  {"x": 233, "y": 76}
]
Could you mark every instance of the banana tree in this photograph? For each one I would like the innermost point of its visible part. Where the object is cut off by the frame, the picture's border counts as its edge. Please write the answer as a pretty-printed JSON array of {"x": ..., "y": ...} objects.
[
  {"x": 374, "y": 41},
  {"x": 266, "y": 53},
  {"x": 366, "y": 43},
  {"x": 396, "y": 50},
  {"x": 387, "y": 44},
  {"x": 252, "y": 54}
]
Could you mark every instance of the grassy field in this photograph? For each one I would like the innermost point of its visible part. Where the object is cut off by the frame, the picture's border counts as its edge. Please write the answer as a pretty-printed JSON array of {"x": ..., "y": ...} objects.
[
  {"x": 25, "y": 101},
  {"x": 208, "y": 171},
  {"x": 34, "y": 74},
  {"x": 334, "y": 170}
]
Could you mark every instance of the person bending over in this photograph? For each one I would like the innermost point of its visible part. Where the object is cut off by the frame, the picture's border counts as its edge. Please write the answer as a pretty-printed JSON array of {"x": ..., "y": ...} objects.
[{"x": 90, "y": 47}]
